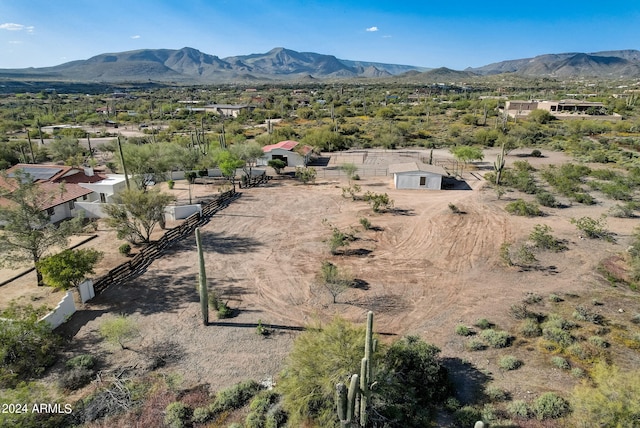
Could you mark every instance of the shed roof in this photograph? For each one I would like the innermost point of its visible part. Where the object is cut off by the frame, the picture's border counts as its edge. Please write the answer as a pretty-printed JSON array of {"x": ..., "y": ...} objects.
[
  {"x": 416, "y": 167},
  {"x": 285, "y": 145}
]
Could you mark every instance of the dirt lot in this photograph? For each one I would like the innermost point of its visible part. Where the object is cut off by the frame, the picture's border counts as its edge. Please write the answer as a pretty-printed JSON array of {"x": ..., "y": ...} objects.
[{"x": 422, "y": 269}]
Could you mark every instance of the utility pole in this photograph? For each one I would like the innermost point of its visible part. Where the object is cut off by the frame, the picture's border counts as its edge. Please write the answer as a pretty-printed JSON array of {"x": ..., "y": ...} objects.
[{"x": 124, "y": 165}]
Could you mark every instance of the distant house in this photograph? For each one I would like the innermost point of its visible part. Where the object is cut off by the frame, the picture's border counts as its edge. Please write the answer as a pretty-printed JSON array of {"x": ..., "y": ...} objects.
[
  {"x": 64, "y": 183},
  {"x": 563, "y": 109},
  {"x": 414, "y": 175},
  {"x": 228, "y": 110},
  {"x": 284, "y": 150}
]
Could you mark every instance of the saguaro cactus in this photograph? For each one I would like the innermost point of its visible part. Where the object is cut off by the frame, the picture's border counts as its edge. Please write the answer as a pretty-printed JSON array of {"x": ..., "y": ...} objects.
[
  {"x": 360, "y": 386},
  {"x": 498, "y": 165},
  {"x": 202, "y": 281}
]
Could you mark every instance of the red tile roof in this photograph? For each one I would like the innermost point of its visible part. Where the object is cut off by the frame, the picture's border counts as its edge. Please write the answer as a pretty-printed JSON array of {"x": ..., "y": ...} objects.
[
  {"x": 285, "y": 145},
  {"x": 51, "y": 177}
]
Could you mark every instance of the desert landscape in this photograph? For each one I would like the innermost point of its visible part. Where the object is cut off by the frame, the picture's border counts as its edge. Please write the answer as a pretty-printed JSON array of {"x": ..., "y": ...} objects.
[{"x": 421, "y": 268}]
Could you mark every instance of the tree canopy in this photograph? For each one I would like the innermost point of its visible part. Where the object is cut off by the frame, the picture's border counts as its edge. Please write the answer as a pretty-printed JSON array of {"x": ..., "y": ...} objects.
[
  {"x": 68, "y": 268},
  {"x": 135, "y": 213},
  {"x": 28, "y": 233}
]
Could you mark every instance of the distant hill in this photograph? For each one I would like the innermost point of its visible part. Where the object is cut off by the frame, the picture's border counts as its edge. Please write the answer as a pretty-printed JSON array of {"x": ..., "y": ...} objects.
[
  {"x": 608, "y": 64},
  {"x": 191, "y": 66},
  {"x": 188, "y": 65}
]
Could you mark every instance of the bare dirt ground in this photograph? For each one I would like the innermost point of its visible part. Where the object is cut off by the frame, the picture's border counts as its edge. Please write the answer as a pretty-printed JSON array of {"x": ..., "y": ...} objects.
[{"x": 423, "y": 270}]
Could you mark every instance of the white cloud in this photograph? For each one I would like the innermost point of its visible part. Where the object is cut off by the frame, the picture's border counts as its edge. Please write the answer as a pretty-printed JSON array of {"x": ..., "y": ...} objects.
[
  {"x": 137, "y": 36},
  {"x": 15, "y": 42},
  {"x": 372, "y": 29},
  {"x": 10, "y": 26},
  {"x": 386, "y": 37}
]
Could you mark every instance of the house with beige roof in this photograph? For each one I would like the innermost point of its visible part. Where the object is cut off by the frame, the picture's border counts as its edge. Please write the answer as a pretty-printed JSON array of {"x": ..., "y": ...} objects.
[{"x": 415, "y": 175}]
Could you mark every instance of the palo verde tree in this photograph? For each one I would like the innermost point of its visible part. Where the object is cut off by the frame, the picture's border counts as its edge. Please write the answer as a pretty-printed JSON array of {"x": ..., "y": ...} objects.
[
  {"x": 249, "y": 153},
  {"x": 28, "y": 233},
  {"x": 69, "y": 268},
  {"x": 135, "y": 213}
]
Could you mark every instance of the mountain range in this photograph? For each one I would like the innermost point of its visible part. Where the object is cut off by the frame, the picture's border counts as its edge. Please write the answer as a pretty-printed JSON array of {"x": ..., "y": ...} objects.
[{"x": 188, "y": 65}]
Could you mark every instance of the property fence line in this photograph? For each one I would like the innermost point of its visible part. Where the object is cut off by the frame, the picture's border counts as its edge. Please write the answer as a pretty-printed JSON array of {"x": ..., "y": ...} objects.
[
  {"x": 246, "y": 183},
  {"x": 139, "y": 263}
]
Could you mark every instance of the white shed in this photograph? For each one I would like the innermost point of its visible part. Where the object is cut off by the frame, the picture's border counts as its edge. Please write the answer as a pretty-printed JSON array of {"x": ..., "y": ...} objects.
[
  {"x": 284, "y": 150},
  {"x": 414, "y": 175}
]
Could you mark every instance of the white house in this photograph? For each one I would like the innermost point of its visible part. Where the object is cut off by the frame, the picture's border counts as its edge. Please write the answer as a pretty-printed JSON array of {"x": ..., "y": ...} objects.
[
  {"x": 64, "y": 184},
  {"x": 284, "y": 150},
  {"x": 413, "y": 175}
]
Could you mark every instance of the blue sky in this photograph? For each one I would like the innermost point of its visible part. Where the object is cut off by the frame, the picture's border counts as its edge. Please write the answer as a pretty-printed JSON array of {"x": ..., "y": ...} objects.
[{"x": 453, "y": 34}]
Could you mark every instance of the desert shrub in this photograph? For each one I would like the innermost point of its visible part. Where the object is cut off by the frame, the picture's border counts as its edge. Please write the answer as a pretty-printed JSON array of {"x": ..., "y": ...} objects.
[
  {"x": 509, "y": 362},
  {"x": 505, "y": 254},
  {"x": 583, "y": 314},
  {"x": 621, "y": 211},
  {"x": 75, "y": 378},
  {"x": 598, "y": 342},
  {"x": 557, "y": 335},
  {"x": 523, "y": 208},
  {"x": 27, "y": 347},
  {"x": 415, "y": 379},
  {"x": 542, "y": 238},
  {"x": 524, "y": 257},
  {"x": 483, "y": 324},
  {"x": 351, "y": 191},
  {"x": 560, "y": 363},
  {"x": 454, "y": 208},
  {"x": 532, "y": 298},
  {"x": 521, "y": 312},
  {"x": 496, "y": 394},
  {"x": 378, "y": 201},
  {"x": 592, "y": 228},
  {"x": 31, "y": 392},
  {"x": 577, "y": 372},
  {"x": 550, "y": 406},
  {"x": 555, "y": 298},
  {"x": 519, "y": 409},
  {"x": 546, "y": 199},
  {"x": 307, "y": 383},
  {"x": 496, "y": 338},
  {"x": 306, "y": 174},
  {"x": 125, "y": 249},
  {"x": 463, "y": 330},
  {"x": 635, "y": 319},
  {"x": 83, "y": 361},
  {"x": 259, "y": 408},
  {"x": 177, "y": 415},
  {"x": 530, "y": 328},
  {"x": 536, "y": 153},
  {"x": 234, "y": 397},
  {"x": 475, "y": 345},
  {"x": 555, "y": 320},
  {"x": 118, "y": 330},
  {"x": 452, "y": 404},
  {"x": 365, "y": 223},
  {"x": 584, "y": 198},
  {"x": 223, "y": 310},
  {"x": 467, "y": 416}
]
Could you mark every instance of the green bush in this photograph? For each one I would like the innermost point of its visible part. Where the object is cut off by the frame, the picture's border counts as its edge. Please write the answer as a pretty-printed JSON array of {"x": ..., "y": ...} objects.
[
  {"x": 365, "y": 223},
  {"x": 83, "y": 361},
  {"x": 592, "y": 228},
  {"x": 555, "y": 298},
  {"x": 467, "y": 416},
  {"x": 584, "y": 198},
  {"x": 583, "y": 314},
  {"x": 519, "y": 409},
  {"x": 509, "y": 362},
  {"x": 523, "y": 208},
  {"x": 475, "y": 345},
  {"x": 559, "y": 336},
  {"x": 530, "y": 328},
  {"x": 177, "y": 415},
  {"x": 463, "y": 330},
  {"x": 483, "y": 324},
  {"x": 621, "y": 211},
  {"x": 75, "y": 378},
  {"x": 550, "y": 406},
  {"x": 598, "y": 342},
  {"x": 496, "y": 338},
  {"x": 496, "y": 394},
  {"x": 546, "y": 199},
  {"x": 560, "y": 363},
  {"x": 542, "y": 239},
  {"x": 125, "y": 249}
]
